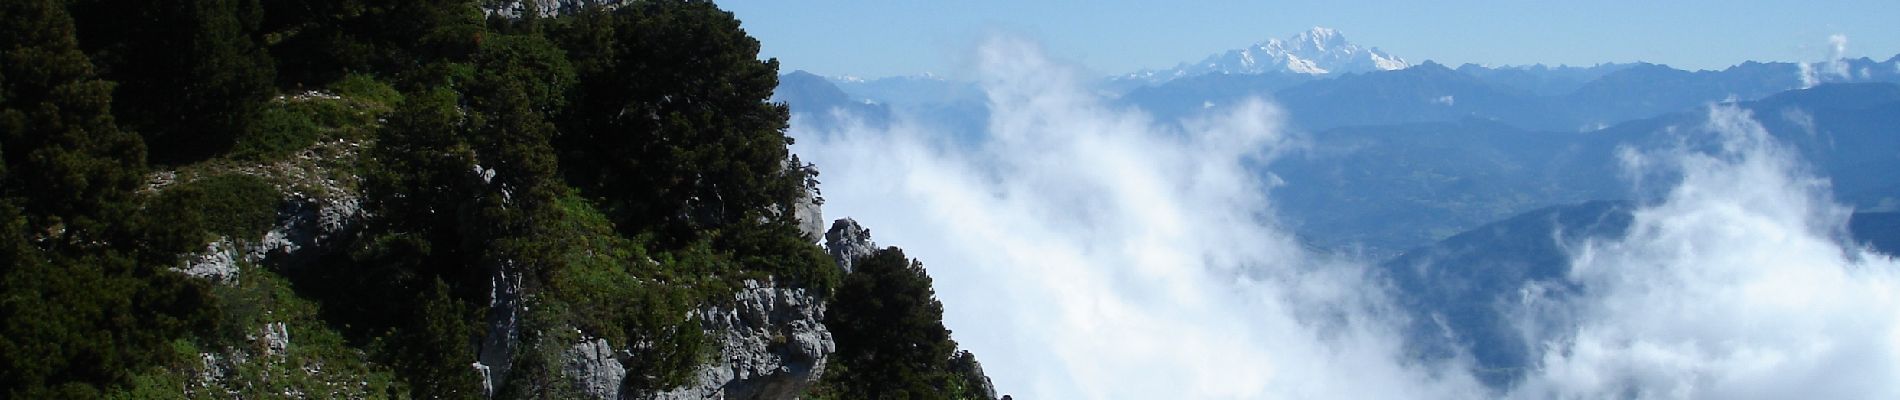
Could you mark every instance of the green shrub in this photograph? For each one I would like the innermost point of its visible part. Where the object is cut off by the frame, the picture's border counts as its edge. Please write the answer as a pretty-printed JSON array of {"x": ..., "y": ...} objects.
[
  {"x": 281, "y": 130},
  {"x": 365, "y": 88},
  {"x": 234, "y": 205},
  {"x": 606, "y": 286}
]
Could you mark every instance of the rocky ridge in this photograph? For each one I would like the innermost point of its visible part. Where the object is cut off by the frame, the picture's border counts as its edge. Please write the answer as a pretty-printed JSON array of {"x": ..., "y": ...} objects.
[
  {"x": 544, "y": 8},
  {"x": 772, "y": 345},
  {"x": 772, "y": 342},
  {"x": 847, "y": 241},
  {"x": 321, "y": 208}
]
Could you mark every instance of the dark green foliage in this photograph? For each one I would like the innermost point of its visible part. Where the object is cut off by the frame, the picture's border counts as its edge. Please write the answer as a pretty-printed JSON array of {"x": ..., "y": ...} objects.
[
  {"x": 674, "y": 126},
  {"x": 966, "y": 378},
  {"x": 68, "y": 164},
  {"x": 889, "y": 328},
  {"x": 432, "y": 348},
  {"x": 779, "y": 250},
  {"x": 623, "y": 204},
  {"x": 278, "y": 132},
  {"x": 419, "y": 181},
  {"x": 419, "y": 173},
  {"x": 184, "y": 217},
  {"x": 237, "y": 206},
  {"x": 319, "y": 41},
  {"x": 291, "y": 124},
  {"x": 608, "y": 287},
  {"x": 74, "y": 325},
  {"x": 317, "y": 361},
  {"x": 76, "y": 313},
  {"x": 524, "y": 80},
  {"x": 192, "y": 75},
  {"x": 367, "y": 89}
]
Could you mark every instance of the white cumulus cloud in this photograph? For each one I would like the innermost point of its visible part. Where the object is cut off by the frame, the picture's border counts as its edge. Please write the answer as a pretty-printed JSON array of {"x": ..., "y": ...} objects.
[
  {"x": 1835, "y": 67},
  {"x": 1084, "y": 250},
  {"x": 1734, "y": 285}
]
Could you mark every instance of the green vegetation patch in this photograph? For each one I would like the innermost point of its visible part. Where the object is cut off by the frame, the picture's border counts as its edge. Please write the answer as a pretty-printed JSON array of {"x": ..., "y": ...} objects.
[
  {"x": 351, "y": 109},
  {"x": 232, "y": 205},
  {"x": 606, "y": 286}
]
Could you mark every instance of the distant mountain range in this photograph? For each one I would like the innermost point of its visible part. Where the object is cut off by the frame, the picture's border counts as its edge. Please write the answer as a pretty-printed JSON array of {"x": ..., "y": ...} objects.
[
  {"x": 1384, "y": 188},
  {"x": 1400, "y": 158},
  {"x": 1542, "y": 98},
  {"x": 820, "y": 104},
  {"x": 1318, "y": 51},
  {"x": 1470, "y": 182}
]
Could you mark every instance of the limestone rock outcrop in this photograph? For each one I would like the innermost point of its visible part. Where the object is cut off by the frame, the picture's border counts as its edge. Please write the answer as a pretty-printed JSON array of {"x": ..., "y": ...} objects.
[
  {"x": 847, "y": 241},
  {"x": 773, "y": 345},
  {"x": 546, "y": 8},
  {"x": 594, "y": 368}
]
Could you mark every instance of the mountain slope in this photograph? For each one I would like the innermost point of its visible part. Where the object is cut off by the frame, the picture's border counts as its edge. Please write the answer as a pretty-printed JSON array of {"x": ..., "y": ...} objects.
[
  {"x": 1462, "y": 291},
  {"x": 823, "y": 105}
]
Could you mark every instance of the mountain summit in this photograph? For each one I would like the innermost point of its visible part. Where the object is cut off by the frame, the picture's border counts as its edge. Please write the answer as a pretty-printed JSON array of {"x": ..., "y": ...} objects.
[{"x": 1318, "y": 51}]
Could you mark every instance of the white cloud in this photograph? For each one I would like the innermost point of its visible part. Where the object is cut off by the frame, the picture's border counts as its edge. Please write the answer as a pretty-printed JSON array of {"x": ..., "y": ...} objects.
[
  {"x": 1732, "y": 286},
  {"x": 1835, "y": 66},
  {"x": 1085, "y": 251}
]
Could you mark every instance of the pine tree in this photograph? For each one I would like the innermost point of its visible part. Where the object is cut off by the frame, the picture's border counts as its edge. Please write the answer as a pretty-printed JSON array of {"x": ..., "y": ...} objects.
[
  {"x": 192, "y": 74},
  {"x": 77, "y": 311},
  {"x": 889, "y": 328},
  {"x": 675, "y": 124},
  {"x": 318, "y": 41},
  {"x": 70, "y": 168}
]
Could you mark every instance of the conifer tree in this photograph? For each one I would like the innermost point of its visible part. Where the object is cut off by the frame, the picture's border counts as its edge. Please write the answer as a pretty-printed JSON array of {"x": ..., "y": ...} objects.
[
  {"x": 77, "y": 312},
  {"x": 192, "y": 75},
  {"x": 889, "y": 328},
  {"x": 675, "y": 122},
  {"x": 70, "y": 167}
]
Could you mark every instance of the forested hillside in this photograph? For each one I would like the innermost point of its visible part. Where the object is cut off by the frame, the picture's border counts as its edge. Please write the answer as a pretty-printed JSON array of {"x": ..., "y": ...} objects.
[{"x": 425, "y": 199}]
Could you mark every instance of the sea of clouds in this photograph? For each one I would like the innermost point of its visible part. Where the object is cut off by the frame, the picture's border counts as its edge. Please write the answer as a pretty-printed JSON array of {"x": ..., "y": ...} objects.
[{"x": 1084, "y": 250}]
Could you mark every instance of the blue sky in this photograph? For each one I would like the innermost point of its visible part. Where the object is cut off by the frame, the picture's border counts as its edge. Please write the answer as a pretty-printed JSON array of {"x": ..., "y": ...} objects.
[{"x": 901, "y": 37}]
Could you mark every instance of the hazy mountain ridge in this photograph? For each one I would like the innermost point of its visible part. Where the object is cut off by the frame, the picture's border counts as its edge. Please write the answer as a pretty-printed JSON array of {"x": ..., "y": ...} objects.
[
  {"x": 1533, "y": 98},
  {"x": 1463, "y": 291},
  {"x": 1386, "y": 188},
  {"x": 1356, "y": 90},
  {"x": 1449, "y": 149}
]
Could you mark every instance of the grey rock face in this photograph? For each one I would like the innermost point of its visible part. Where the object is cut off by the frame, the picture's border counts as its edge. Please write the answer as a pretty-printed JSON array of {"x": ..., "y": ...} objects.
[
  {"x": 217, "y": 263},
  {"x": 305, "y": 224},
  {"x": 276, "y": 339},
  {"x": 502, "y": 326},
  {"x": 965, "y": 364},
  {"x": 847, "y": 241},
  {"x": 811, "y": 217},
  {"x": 546, "y": 8},
  {"x": 773, "y": 345},
  {"x": 594, "y": 369}
]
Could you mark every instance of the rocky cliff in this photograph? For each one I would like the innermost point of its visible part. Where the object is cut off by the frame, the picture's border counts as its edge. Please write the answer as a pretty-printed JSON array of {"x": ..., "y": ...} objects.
[
  {"x": 847, "y": 241},
  {"x": 772, "y": 345},
  {"x": 546, "y": 8}
]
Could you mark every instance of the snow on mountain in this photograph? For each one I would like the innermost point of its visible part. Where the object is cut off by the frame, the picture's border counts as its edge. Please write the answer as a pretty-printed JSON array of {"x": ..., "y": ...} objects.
[{"x": 1318, "y": 51}]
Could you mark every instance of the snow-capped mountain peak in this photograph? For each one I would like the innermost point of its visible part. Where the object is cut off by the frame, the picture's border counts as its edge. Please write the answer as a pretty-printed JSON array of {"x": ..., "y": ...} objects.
[{"x": 1317, "y": 51}]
